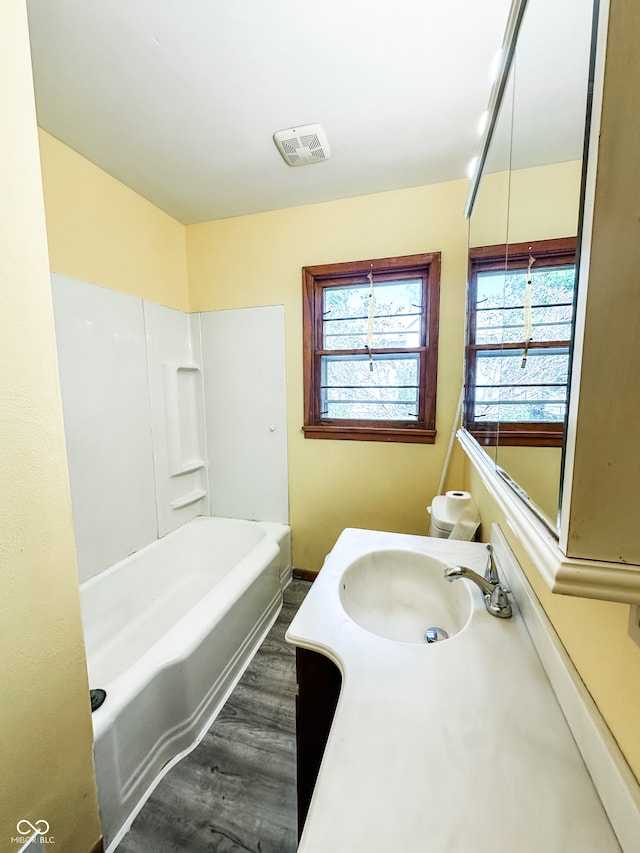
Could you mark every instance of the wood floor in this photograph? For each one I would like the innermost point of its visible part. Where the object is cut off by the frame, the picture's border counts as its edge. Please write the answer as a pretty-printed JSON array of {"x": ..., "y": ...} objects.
[{"x": 237, "y": 790}]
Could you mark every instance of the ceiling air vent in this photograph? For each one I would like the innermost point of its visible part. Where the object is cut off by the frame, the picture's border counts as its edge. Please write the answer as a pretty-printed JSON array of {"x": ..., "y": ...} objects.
[{"x": 300, "y": 146}]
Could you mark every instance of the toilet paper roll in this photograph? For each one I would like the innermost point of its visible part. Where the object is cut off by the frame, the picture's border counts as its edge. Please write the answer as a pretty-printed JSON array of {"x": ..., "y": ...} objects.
[
  {"x": 456, "y": 502},
  {"x": 466, "y": 526}
]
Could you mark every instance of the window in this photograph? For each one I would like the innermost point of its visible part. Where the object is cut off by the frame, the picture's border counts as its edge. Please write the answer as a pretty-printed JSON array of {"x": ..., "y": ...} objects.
[
  {"x": 371, "y": 349},
  {"x": 519, "y": 327}
]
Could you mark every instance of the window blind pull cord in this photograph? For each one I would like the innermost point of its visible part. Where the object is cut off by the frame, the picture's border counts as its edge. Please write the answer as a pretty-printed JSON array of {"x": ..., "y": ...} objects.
[
  {"x": 371, "y": 314},
  {"x": 527, "y": 312}
]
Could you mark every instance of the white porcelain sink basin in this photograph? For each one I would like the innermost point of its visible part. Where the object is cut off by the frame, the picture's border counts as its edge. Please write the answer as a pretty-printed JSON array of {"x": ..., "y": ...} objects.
[{"x": 399, "y": 594}]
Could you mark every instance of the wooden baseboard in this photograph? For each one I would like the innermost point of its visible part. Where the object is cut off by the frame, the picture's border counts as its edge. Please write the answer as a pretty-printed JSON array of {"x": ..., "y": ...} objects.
[
  {"x": 305, "y": 574},
  {"x": 98, "y": 847}
]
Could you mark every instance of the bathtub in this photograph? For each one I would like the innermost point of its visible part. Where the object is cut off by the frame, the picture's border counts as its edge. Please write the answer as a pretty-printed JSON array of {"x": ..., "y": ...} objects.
[{"x": 168, "y": 632}]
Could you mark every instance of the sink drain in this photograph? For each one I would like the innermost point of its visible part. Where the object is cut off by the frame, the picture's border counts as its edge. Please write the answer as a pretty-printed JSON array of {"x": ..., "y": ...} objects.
[{"x": 435, "y": 635}]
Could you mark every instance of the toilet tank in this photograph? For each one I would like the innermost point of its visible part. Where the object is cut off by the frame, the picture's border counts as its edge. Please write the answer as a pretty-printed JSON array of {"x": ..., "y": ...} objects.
[{"x": 447, "y": 510}]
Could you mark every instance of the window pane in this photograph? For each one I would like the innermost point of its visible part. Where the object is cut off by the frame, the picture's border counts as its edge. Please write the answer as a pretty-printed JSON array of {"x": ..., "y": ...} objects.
[
  {"x": 351, "y": 390},
  {"x": 500, "y": 305},
  {"x": 505, "y": 391},
  {"x": 548, "y": 323},
  {"x": 397, "y": 315},
  {"x": 490, "y": 289}
]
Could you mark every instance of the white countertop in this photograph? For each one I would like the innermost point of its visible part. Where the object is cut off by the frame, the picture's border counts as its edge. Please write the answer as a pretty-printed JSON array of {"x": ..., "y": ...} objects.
[{"x": 456, "y": 747}]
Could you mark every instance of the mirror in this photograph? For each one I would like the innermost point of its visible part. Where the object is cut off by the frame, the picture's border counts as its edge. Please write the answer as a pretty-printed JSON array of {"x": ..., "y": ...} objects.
[
  {"x": 488, "y": 229},
  {"x": 524, "y": 222}
]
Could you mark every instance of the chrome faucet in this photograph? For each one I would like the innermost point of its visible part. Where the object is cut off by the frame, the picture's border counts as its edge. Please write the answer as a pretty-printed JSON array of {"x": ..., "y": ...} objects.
[{"x": 495, "y": 595}]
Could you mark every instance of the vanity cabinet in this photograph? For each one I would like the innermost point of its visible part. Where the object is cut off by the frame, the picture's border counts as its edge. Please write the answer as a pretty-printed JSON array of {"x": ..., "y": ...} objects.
[
  {"x": 443, "y": 747},
  {"x": 319, "y": 683}
]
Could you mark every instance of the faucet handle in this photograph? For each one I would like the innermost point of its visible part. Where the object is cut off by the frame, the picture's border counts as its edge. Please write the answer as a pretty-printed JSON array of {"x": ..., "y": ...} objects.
[{"x": 491, "y": 572}]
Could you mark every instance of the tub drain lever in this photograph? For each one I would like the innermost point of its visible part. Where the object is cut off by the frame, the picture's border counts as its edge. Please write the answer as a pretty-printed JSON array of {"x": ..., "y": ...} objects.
[{"x": 97, "y": 698}]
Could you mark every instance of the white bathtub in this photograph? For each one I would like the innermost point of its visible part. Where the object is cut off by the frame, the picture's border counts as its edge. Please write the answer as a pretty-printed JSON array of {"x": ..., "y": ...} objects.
[{"x": 168, "y": 632}]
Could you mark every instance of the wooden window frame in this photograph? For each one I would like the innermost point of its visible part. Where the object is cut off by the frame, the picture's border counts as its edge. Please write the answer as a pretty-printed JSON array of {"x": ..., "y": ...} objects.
[
  {"x": 507, "y": 257},
  {"x": 314, "y": 280}
]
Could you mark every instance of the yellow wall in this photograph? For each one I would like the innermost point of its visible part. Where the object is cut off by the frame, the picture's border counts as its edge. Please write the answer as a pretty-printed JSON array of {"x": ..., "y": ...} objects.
[
  {"x": 257, "y": 260},
  {"x": 104, "y": 233},
  {"x": 594, "y": 634},
  {"x": 45, "y": 720},
  {"x": 544, "y": 202},
  {"x": 538, "y": 203},
  {"x": 537, "y": 471}
]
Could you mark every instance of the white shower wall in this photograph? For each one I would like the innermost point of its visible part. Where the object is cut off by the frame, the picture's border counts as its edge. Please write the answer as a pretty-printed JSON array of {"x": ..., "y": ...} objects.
[
  {"x": 105, "y": 398},
  {"x": 163, "y": 409},
  {"x": 244, "y": 378},
  {"x": 174, "y": 355}
]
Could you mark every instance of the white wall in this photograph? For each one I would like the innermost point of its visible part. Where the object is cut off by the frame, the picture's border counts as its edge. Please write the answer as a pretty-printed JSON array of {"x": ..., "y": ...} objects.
[
  {"x": 245, "y": 403},
  {"x": 162, "y": 408}
]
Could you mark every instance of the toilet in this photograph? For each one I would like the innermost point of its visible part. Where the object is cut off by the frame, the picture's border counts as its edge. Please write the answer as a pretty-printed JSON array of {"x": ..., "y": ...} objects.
[{"x": 453, "y": 508}]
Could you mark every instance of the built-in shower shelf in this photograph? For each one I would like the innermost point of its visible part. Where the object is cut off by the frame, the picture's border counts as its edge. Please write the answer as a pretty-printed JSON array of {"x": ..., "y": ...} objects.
[
  {"x": 188, "y": 499},
  {"x": 184, "y": 415},
  {"x": 189, "y": 467}
]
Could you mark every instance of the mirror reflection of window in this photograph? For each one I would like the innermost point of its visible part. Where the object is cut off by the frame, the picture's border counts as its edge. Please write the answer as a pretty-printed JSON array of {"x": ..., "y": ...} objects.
[{"x": 520, "y": 318}]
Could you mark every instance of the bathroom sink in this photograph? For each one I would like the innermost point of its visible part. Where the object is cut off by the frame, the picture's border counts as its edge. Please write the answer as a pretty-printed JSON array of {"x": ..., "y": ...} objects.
[{"x": 399, "y": 594}]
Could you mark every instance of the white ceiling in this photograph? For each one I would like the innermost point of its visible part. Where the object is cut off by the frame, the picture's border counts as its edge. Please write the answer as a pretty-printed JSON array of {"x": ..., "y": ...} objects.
[{"x": 179, "y": 99}]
